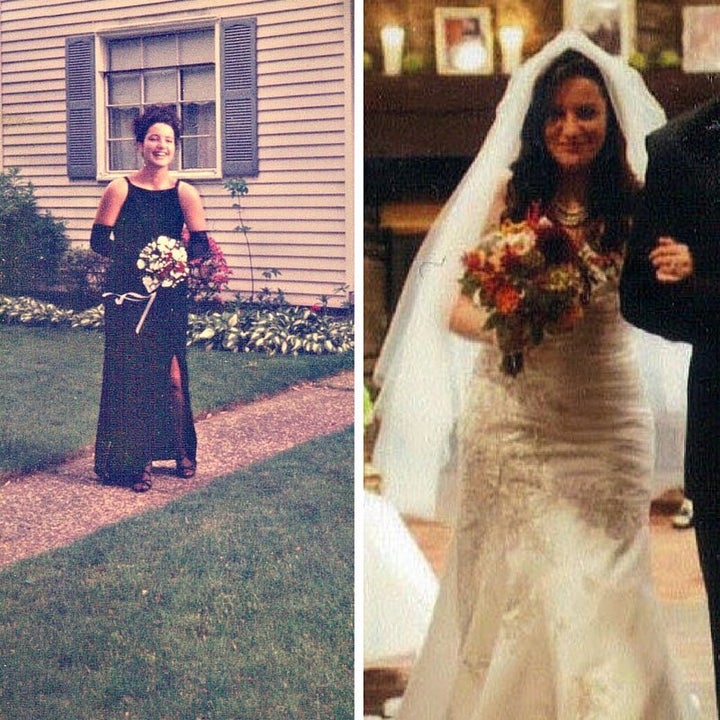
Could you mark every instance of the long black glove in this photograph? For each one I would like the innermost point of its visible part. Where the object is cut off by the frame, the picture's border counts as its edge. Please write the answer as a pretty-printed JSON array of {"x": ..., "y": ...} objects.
[
  {"x": 100, "y": 239},
  {"x": 198, "y": 245}
]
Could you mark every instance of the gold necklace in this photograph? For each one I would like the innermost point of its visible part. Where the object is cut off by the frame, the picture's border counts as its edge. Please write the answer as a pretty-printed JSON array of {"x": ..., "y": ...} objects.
[{"x": 570, "y": 218}]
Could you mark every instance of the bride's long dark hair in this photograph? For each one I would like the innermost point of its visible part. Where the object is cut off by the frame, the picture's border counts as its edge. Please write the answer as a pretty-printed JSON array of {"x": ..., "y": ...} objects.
[{"x": 613, "y": 186}]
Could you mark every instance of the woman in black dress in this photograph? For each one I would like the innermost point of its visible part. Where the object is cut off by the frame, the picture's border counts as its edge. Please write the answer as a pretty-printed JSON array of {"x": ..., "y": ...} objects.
[{"x": 145, "y": 411}]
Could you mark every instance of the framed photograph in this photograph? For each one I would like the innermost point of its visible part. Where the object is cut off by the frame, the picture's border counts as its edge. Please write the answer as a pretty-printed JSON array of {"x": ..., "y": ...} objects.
[
  {"x": 608, "y": 23},
  {"x": 701, "y": 39},
  {"x": 463, "y": 41}
]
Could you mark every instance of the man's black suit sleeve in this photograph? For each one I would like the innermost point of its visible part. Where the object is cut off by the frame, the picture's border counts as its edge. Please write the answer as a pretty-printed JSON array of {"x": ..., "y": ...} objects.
[{"x": 667, "y": 310}]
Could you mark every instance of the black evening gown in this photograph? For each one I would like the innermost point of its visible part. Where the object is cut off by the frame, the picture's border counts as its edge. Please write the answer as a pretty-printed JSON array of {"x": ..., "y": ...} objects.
[{"x": 139, "y": 420}]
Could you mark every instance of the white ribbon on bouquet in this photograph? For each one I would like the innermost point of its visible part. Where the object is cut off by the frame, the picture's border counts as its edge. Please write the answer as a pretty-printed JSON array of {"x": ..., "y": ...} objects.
[{"x": 134, "y": 297}]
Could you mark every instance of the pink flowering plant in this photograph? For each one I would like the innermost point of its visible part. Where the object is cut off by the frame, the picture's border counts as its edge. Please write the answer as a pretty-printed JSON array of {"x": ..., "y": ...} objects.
[
  {"x": 209, "y": 276},
  {"x": 532, "y": 279}
]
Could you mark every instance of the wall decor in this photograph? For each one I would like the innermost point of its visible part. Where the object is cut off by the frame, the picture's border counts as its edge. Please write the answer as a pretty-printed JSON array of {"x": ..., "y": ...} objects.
[
  {"x": 463, "y": 41},
  {"x": 608, "y": 23},
  {"x": 658, "y": 28},
  {"x": 701, "y": 39}
]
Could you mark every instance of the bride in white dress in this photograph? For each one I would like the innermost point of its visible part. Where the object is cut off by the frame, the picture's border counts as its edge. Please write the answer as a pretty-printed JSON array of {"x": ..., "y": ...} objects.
[{"x": 546, "y": 610}]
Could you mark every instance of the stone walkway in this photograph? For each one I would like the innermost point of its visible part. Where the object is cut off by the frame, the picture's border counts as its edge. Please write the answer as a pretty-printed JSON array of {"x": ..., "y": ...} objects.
[{"x": 54, "y": 507}]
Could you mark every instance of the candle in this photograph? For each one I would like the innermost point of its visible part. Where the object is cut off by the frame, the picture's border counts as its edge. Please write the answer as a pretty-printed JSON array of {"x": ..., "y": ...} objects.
[
  {"x": 511, "y": 43},
  {"x": 392, "y": 38}
]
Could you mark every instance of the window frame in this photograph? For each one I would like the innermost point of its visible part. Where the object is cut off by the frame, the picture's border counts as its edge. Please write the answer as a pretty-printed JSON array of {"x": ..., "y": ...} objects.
[
  {"x": 103, "y": 40},
  {"x": 88, "y": 152}
]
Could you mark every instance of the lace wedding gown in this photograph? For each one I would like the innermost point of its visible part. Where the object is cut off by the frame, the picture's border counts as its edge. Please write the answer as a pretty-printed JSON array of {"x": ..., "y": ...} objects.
[{"x": 547, "y": 610}]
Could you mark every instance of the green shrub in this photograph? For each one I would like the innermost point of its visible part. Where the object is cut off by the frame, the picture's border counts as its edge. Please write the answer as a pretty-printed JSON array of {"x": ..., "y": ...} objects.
[
  {"x": 31, "y": 242},
  {"x": 82, "y": 274}
]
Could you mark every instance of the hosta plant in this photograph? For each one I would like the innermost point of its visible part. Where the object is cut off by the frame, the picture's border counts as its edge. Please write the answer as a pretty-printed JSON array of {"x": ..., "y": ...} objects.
[
  {"x": 29, "y": 311},
  {"x": 274, "y": 331},
  {"x": 271, "y": 330}
]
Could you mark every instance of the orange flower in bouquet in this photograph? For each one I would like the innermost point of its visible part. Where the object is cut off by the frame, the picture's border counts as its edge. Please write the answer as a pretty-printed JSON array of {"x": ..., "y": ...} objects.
[{"x": 532, "y": 279}]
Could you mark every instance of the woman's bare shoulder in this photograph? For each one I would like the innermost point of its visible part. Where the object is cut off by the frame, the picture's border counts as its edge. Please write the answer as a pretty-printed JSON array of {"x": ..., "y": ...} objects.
[
  {"x": 111, "y": 202},
  {"x": 192, "y": 206},
  {"x": 117, "y": 189},
  {"x": 187, "y": 190}
]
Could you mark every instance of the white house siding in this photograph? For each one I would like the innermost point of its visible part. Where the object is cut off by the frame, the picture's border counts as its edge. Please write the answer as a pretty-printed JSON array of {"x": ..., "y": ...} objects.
[{"x": 299, "y": 208}]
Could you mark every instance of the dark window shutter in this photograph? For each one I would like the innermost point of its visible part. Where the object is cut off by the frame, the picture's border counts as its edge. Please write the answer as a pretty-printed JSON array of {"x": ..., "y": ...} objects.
[
  {"x": 238, "y": 59},
  {"x": 80, "y": 98}
]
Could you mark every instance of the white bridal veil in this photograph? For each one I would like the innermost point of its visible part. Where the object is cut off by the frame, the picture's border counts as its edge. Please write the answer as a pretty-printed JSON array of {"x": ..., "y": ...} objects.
[{"x": 423, "y": 369}]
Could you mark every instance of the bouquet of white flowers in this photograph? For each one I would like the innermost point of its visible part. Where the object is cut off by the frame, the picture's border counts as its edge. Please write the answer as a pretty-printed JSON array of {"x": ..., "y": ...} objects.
[{"x": 165, "y": 263}]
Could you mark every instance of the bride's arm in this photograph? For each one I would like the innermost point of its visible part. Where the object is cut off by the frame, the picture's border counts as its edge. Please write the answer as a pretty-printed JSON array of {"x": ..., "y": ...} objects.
[{"x": 468, "y": 320}]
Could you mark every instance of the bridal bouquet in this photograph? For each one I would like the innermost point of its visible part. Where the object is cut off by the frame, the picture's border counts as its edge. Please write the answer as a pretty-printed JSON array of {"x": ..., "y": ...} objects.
[
  {"x": 165, "y": 263},
  {"x": 532, "y": 279}
]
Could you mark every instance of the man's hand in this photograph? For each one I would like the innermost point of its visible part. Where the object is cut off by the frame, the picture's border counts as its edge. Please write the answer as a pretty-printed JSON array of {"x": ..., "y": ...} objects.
[{"x": 671, "y": 260}]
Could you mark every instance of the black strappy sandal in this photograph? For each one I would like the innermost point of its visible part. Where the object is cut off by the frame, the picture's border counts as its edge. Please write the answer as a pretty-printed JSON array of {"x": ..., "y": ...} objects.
[
  {"x": 144, "y": 482},
  {"x": 185, "y": 467}
]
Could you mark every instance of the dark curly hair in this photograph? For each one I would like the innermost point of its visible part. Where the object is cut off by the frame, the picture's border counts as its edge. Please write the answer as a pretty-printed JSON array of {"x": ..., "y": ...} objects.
[
  {"x": 613, "y": 186},
  {"x": 156, "y": 114}
]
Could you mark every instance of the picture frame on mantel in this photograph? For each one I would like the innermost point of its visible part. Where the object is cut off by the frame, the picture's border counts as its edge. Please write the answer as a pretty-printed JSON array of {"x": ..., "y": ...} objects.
[
  {"x": 463, "y": 41},
  {"x": 608, "y": 23}
]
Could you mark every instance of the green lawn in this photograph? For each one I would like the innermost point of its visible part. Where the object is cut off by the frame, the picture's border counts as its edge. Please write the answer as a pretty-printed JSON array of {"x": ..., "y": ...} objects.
[
  {"x": 50, "y": 380},
  {"x": 233, "y": 603}
]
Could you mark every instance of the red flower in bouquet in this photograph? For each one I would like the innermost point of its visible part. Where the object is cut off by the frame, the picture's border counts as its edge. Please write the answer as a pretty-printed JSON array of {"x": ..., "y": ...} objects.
[
  {"x": 507, "y": 300},
  {"x": 532, "y": 280}
]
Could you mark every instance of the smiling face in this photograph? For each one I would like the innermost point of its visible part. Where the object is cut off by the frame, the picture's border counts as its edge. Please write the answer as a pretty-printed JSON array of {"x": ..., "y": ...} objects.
[
  {"x": 576, "y": 126},
  {"x": 158, "y": 147}
]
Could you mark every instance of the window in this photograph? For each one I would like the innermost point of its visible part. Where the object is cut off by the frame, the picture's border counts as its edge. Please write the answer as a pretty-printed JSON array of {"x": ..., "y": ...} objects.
[{"x": 175, "y": 68}]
